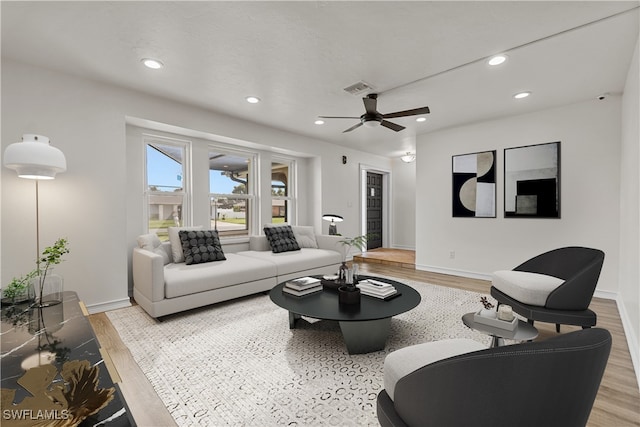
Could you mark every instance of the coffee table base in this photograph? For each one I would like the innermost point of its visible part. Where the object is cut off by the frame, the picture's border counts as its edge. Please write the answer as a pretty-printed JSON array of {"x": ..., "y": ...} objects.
[
  {"x": 360, "y": 337},
  {"x": 365, "y": 336}
]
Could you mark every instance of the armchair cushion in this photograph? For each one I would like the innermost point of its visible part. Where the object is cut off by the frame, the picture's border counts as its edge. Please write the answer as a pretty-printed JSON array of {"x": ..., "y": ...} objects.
[
  {"x": 406, "y": 360},
  {"x": 528, "y": 288}
]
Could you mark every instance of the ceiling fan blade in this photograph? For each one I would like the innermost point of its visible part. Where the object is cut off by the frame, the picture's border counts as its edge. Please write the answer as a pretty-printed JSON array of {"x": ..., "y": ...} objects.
[
  {"x": 414, "y": 112},
  {"x": 391, "y": 126},
  {"x": 370, "y": 104},
  {"x": 352, "y": 128},
  {"x": 337, "y": 117}
]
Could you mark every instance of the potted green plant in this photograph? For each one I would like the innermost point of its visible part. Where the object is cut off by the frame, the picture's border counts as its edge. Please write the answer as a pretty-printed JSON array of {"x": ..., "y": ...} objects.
[
  {"x": 19, "y": 289},
  {"x": 41, "y": 281},
  {"x": 359, "y": 242},
  {"x": 47, "y": 283},
  {"x": 349, "y": 293}
]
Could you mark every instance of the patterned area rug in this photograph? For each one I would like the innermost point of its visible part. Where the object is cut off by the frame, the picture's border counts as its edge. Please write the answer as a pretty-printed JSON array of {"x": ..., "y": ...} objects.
[{"x": 238, "y": 363}]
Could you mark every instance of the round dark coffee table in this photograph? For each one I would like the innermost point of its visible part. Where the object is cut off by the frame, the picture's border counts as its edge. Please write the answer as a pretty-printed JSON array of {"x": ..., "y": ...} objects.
[{"x": 365, "y": 326}]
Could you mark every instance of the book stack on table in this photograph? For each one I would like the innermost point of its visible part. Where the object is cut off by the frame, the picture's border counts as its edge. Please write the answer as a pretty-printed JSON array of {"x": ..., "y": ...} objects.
[
  {"x": 302, "y": 286},
  {"x": 374, "y": 288}
]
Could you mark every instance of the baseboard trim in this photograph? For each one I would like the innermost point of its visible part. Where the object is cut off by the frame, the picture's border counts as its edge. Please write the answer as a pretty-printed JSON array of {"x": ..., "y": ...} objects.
[
  {"x": 110, "y": 305},
  {"x": 454, "y": 272},
  {"x": 405, "y": 248},
  {"x": 606, "y": 295},
  {"x": 629, "y": 333}
]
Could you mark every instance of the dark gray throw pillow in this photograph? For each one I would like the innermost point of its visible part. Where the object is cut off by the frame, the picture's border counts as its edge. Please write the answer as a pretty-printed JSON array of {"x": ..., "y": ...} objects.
[
  {"x": 281, "y": 239},
  {"x": 201, "y": 246}
]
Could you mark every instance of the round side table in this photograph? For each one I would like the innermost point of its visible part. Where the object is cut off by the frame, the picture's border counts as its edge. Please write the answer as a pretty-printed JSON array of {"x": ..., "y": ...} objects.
[{"x": 523, "y": 332}]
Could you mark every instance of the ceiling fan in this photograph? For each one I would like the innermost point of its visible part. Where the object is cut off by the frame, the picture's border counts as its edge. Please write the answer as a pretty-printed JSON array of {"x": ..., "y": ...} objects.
[{"x": 373, "y": 118}]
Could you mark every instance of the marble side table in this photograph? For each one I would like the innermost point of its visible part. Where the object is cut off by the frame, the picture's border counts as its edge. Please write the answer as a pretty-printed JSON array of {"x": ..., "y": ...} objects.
[{"x": 52, "y": 369}]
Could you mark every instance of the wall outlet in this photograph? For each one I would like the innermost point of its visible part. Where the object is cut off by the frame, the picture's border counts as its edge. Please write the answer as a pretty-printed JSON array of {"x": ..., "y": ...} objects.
[{"x": 452, "y": 254}]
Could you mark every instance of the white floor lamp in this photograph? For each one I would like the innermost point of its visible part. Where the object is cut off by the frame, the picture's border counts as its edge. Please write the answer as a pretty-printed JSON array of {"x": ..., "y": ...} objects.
[{"x": 34, "y": 158}]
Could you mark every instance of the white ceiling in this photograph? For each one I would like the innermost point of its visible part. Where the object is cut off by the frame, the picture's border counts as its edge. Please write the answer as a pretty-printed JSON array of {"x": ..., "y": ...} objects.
[{"x": 298, "y": 56}]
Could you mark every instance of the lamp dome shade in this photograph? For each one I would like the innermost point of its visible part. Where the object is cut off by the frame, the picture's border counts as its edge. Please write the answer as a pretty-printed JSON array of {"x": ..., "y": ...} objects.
[
  {"x": 332, "y": 217},
  {"x": 34, "y": 158}
]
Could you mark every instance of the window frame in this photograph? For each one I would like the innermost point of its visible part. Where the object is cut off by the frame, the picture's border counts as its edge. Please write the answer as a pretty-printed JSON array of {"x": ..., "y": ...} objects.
[
  {"x": 185, "y": 145},
  {"x": 251, "y": 196},
  {"x": 292, "y": 194}
]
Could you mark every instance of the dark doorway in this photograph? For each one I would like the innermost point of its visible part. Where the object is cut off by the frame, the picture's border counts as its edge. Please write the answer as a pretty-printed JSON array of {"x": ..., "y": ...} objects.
[{"x": 374, "y": 210}]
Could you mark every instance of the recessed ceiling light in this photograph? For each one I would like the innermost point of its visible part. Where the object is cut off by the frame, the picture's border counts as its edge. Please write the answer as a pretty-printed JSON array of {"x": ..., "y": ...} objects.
[
  {"x": 521, "y": 95},
  {"x": 154, "y": 64},
  {"x": 319, "y": 122},
  {"x": 252, "y": 99},
  {"x": 421, "y": 119},
  {"x": 497, "y": 60}
]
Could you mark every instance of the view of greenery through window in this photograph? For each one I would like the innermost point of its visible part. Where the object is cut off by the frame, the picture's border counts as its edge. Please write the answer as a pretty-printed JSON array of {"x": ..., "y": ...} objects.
[
  {"x": 231, "y": 192},
  {"x": 165, "y": 190},
  {"x": 231, "y": 189},
  {"x": 279, "y": 192}
]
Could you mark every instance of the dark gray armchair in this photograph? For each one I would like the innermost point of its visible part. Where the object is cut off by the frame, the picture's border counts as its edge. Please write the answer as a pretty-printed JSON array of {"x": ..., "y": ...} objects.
[
  {"x": 576, "y": 268},
  {"x": 547, "y": 383}
]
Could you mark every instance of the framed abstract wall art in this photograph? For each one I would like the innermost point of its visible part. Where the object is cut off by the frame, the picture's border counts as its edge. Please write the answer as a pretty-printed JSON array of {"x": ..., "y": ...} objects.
[
  {"x": 474, "y": 185},
  {"x": 532, "y": 181}
]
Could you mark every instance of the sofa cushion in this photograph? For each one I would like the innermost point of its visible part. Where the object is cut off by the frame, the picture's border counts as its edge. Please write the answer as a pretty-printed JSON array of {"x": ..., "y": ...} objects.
[
  {"x": 305, "y": 236},
  {"x": 201, "y": 246},
  {"x": 182, "y": 279},
  {"x": 176, "y": 244},
  {"x": 151, "y": 242},
  {"x": 404, "y": 361},
  {"x": 293, "y": 262},
  {"x": 281, "y": 238},
  {"x": 528, "y": 288}
]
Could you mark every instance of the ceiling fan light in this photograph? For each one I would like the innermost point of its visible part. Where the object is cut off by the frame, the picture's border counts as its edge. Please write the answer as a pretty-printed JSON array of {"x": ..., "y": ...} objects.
[
  {"x": 319, "y": 122},
  {"x": 421, "y": 119},
  {"x": 371, "y": 123},
  {"x": 408, "y": 158}
]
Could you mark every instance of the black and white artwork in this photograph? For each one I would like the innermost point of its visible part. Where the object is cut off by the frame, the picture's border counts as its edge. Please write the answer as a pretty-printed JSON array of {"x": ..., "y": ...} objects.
[
  {"x": 474, "y": 185},
  {"x": 532, "y": 181}
]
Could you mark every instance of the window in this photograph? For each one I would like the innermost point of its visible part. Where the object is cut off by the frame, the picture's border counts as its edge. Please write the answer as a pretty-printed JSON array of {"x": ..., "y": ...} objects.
[
  {"x": 281, "y": 191},
  {"x": 232, "y": 191},
  {"x": 165, "y": 187}
]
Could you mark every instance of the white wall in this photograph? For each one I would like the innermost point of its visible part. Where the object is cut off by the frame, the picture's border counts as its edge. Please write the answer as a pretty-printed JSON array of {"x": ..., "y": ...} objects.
[
  {"x": 404, "y": 195},
  {"x": 95, "y": 203},
  {"x": 629, "y": 295},
  {"x": 590, "y": 158}
]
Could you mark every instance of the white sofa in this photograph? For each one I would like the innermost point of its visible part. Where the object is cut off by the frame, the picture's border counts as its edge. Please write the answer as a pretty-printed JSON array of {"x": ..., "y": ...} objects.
[{"x": 162, "y": 287}]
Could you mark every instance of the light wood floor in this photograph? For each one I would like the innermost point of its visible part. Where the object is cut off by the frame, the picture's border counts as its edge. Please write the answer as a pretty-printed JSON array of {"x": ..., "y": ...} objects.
[{"x": 617, "y": 403}]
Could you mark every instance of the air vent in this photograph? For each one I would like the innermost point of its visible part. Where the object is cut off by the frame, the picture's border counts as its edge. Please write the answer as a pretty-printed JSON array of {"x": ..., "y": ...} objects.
[{"x": 359, "y": 88}]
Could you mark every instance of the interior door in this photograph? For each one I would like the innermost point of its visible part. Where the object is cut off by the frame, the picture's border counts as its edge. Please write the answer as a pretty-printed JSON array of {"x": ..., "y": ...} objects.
[{"x": 374, "y": 210}]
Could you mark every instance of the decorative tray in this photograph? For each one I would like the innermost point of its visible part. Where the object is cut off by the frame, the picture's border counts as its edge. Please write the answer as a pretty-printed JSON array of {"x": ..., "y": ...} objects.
[
  {"x": 495, "y": 322},
  {"x": 331, "y": 285}
]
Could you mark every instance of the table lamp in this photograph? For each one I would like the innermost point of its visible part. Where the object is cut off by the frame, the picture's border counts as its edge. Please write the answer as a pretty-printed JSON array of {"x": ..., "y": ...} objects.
[{"x": 333, "y": 229}]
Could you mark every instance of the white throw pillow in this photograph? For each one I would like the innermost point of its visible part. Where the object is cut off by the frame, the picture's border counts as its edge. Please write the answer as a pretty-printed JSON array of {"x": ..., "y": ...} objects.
[
  {"x": 305, "y": 235},
  {"x": 176, "y": 243},
  {"x": 151, "y": 242}
]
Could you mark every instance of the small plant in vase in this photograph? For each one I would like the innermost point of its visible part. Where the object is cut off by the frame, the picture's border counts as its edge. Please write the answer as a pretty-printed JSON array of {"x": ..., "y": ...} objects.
[
  {"x": 19, "y": 290},
  {"x": 52, "y": 255},
  {"x": 487, "y": 310}
]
